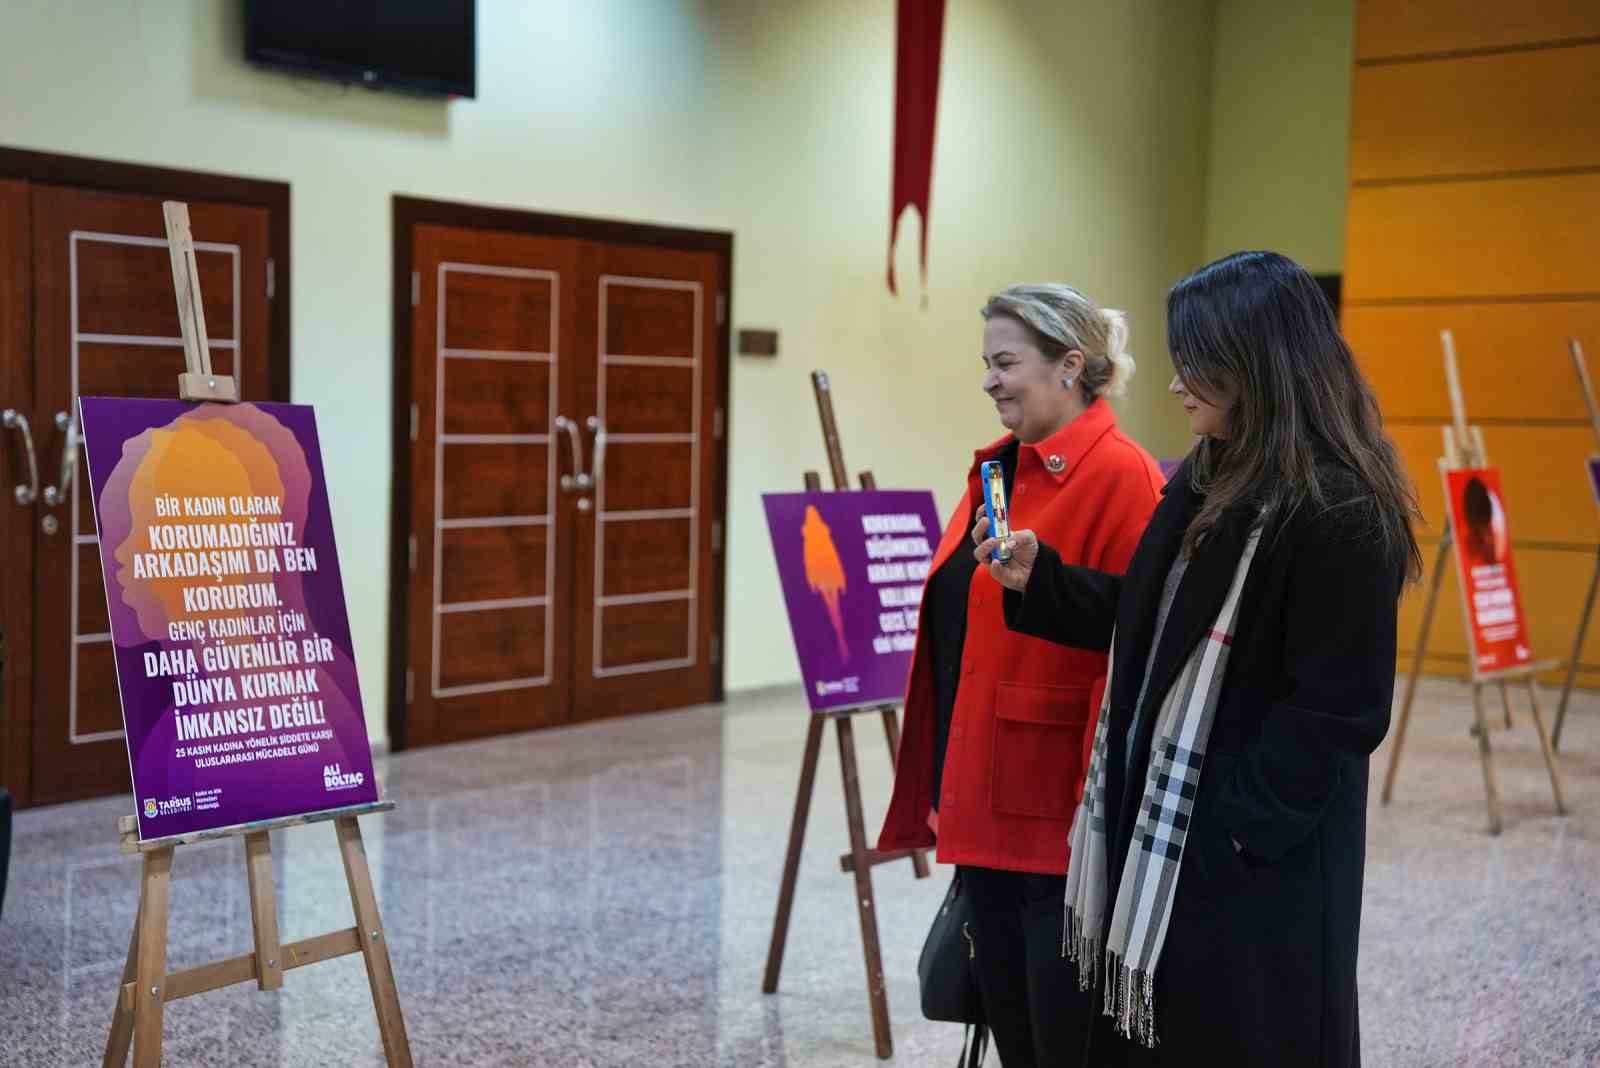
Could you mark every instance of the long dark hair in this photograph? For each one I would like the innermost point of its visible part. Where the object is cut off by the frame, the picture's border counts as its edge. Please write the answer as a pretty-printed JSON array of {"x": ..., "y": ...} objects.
[{"x": 1304, "y": 428}]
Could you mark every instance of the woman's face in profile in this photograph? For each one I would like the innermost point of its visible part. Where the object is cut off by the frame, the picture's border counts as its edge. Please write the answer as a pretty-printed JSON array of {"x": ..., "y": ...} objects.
[
  {"x": 1027, "y": 390},
  {"x": 1205, "y": 417}
]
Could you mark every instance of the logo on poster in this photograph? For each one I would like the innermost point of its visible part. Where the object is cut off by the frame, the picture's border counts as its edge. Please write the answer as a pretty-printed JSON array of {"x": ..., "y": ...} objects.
[
  {"x": 170, "y": 807},
  {"x": 334, "y": 779},
  {"x": 831, "y": 687}
]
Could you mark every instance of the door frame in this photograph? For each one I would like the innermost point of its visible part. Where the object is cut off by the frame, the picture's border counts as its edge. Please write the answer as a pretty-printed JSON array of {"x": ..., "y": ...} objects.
[
  {"x": 82, "y": 172},
  {"x": 408, "y": 212}
]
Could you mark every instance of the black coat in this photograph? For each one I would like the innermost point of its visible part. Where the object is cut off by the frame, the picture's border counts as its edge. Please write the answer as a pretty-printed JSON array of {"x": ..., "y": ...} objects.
[{"x": 1259, "y": 963}]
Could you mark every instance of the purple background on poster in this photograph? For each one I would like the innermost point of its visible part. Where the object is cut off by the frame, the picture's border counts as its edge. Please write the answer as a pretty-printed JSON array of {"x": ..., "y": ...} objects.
[
  {"x": 1594, "y": 476},
  {"x": 269, "y": 443},
  {"x": 867, "y": 676}
]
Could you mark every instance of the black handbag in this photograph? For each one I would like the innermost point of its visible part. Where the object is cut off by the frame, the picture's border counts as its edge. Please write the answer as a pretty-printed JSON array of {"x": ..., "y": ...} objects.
[{"x": 948, "y": 975}]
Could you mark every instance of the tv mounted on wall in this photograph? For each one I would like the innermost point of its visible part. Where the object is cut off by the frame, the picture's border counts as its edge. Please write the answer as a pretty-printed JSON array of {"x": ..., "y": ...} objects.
[{"x": 417, "y": 46}]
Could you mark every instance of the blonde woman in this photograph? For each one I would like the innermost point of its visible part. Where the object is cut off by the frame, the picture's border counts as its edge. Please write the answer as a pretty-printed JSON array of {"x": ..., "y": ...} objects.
[{"x": 991, "y": 764}]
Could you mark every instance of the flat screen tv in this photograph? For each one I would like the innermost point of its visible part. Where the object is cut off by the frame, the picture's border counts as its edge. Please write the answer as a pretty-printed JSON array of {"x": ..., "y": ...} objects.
[{"x": 418, "y": 46}]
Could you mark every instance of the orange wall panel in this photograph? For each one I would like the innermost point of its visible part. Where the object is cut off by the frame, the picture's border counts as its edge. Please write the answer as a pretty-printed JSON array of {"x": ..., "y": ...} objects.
[
  {"x": 1510, "y": 237},
  {"x": 1542, "y": 474},
  {"x": 1509, "y": 111},
  {"x": 1513, "y": 357},
  {"x": 1387, "y": 28},
  {"x": 1475, "y": 205}
]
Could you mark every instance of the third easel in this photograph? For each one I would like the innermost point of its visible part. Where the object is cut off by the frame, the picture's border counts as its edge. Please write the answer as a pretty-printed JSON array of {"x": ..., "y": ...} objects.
[
  {"x": 1464, "y": 449},
  {"x": 1582, "y": 367}
]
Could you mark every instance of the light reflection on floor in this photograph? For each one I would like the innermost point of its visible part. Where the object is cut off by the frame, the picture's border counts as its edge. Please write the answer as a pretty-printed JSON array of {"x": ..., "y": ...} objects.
[{"x": 603, "y": 895}]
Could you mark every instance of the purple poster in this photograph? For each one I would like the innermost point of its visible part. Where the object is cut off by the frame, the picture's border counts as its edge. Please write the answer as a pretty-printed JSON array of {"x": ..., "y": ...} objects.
[
  {"x": 853, "y": 567},
  {"x": 239, "y": 692},
  {"x": 1594, "y": 476}
]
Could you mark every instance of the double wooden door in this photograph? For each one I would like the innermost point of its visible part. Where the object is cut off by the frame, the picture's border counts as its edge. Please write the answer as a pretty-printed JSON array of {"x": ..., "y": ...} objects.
[
  {"x": 565, "y": 447},
  {"x": 87, "y": 308}
]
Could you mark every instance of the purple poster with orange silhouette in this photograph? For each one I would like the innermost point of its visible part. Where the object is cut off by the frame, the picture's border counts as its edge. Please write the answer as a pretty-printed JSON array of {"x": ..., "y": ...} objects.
[
  {"x": 853, "y": 567},
  {"x": 238, "y": 684}
]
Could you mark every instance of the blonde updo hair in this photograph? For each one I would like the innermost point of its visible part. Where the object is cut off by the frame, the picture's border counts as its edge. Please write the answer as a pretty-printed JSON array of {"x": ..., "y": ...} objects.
[{"x": 1061, "y": 318}]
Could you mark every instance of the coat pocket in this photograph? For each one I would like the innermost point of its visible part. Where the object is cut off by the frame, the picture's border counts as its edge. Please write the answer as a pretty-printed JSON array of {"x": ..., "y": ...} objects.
[{"x": 1038, "y": 749}]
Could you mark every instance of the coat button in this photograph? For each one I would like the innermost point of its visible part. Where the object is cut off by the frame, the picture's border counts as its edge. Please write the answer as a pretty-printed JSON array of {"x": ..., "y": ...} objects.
[
  {"x": 970, "y": 668},
  {"x": 977, "y": 600},
  {"x": 1022, "y": 487}
]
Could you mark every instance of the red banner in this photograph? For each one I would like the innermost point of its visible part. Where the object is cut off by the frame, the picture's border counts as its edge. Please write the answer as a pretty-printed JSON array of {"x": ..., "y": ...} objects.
[
  {"x": 1485, "y": 570},
  {"x": 919, "y": 37}
]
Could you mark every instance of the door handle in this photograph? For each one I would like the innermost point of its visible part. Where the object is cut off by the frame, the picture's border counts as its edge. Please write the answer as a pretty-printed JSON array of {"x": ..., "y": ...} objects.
[
  {"x": 54, "y": 495},
  {"x": 27, "y": 492},
  {"x": 598, "y": 471},
  {"x": 579, "y": 480}
]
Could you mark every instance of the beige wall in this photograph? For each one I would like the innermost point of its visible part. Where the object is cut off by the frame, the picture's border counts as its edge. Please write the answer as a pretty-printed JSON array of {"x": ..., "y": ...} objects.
[
  {"x": 1072, "y": 145},
  {"x": 1280, "y": 116}
]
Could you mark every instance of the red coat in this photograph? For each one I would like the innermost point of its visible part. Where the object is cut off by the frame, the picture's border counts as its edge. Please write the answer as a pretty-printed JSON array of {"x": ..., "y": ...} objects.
[{"x": 1024, "y": 713}]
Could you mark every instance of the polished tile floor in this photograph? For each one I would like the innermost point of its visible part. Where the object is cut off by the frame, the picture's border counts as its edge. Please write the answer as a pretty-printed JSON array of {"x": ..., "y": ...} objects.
[{"x": 603, "y": 895}]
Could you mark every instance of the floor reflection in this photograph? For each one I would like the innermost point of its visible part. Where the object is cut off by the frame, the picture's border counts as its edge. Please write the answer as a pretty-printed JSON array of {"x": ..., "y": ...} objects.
[{"x": 603, "y": 896}]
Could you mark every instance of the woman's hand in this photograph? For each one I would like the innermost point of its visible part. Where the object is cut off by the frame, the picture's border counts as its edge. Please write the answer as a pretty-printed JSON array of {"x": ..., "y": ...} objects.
[{"x": 1013, "y": 573}]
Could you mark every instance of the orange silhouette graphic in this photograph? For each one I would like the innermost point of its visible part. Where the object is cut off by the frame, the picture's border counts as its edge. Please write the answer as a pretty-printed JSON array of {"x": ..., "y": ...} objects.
[{"x": 824, "y": 571}]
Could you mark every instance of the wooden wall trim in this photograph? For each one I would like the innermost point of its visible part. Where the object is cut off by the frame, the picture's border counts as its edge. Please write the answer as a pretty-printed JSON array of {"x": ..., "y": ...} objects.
[
  {"x": 1461, "y": 179},
  {"x": 1471, "y": 53}
]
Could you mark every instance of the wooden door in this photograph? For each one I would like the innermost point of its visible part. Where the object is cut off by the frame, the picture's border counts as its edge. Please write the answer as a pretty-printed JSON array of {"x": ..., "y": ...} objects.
[
  {"x": 105, "y": 324},
  {"x": 560, "y": 495},
  {"x": 648, "y": 372},
  {"x": 16, "y": 517},
  {"x": 488, "y": 586}
]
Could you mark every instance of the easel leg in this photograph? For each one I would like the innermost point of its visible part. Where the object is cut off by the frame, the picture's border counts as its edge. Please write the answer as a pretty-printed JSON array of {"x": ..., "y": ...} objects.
[
  {"x": 1505, "y": 703},
  {"x": 374, "y": 949},
  {"x": 1416, "y": 668},
  {"x": 877, "y": 992},
  {"x": 791, "y": 863},
  {"x": 1577, "y": 651},
  {"x": 121, "y": 1036},
  {"x": 1490, "y": 793},
  {"x": 150, "y": 971},
  {"x": 891, "y": 727},
  {"x": 263, "y": 910},
  {"x": 1544, "y": 745}
]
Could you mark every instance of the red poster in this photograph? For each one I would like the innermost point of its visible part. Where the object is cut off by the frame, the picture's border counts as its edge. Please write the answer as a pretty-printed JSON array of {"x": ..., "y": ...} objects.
[{"x": 1485, "y": 570}]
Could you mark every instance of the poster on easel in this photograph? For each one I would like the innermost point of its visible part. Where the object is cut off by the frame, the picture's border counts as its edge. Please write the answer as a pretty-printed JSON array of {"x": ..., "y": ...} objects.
[
  {"x": 233, "y": 654},
  {"x": 1594, "y": 477},
  {"x": 1486, "y": 570},
  {"x": 852, "y": 567}
]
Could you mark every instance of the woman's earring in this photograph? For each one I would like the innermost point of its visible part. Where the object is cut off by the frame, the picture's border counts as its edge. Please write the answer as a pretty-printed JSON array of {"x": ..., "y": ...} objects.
[{"x": 1067, "y": 381}]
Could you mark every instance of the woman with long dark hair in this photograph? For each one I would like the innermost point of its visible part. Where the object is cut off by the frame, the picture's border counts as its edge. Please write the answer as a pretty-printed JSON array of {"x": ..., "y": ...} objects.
[{"x": 1213, "y": 899}]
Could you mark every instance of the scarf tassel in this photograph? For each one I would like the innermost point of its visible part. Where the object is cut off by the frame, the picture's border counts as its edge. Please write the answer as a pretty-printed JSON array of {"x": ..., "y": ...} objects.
[
  {"x": 1082, "y": 948},
  {"x": 1131, "y": 1001}
]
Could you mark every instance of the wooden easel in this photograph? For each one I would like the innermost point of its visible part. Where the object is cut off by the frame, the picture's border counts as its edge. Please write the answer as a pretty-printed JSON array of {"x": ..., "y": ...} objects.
[
  {"x": 146, "y": 984},
  {"x": 860, "y": 860},
  {"x": 1582, "y": 367},
  {"x": 1463, "y": 447}
]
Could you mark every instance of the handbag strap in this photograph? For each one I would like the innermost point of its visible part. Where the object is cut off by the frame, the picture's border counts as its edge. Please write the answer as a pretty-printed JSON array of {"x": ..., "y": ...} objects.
[{"x": 974, "y": 1046}]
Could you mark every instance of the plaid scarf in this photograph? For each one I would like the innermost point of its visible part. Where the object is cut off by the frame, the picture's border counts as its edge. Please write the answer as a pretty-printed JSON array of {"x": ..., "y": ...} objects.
[{"x": 1150, "y": 874}]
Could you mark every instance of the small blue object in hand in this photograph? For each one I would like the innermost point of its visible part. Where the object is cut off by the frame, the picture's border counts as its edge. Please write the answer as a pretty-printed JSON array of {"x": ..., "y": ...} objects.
[{"x": 994, "y": 505}]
